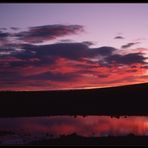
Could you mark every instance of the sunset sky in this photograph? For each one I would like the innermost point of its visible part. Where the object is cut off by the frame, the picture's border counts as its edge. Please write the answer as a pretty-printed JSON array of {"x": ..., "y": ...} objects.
[{"x": 69, "y": 46}]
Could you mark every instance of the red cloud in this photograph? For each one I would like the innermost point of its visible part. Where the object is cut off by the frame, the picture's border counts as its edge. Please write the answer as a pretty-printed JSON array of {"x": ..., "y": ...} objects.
[
  {"x": 83, "y": 74},
  {"x": 68, "y": 66}
]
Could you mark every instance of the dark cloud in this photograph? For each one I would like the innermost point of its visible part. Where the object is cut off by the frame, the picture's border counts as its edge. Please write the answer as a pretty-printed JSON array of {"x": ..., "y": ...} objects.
[
  {"x": 103, "y": 51},
  {"x": 129, "y": 45},
  {"x": 10, "y": 76},
  {"x": 4, "y": 38},
  {"x": 48, "y": 54},
  {"x": 119, "y": 37},
  {"x": 66, "y": 41},
  {"x": 145, "y": 66},
  {"x": 102, "y": 75},
  {"x": 48, "y": 32},
  {"x": 73, "y": 51},
  {"x": 131, "y": 58},
  {"x": 4, "y": 35},
  {"x": 132, "y": 70},
  {"x": 54, "y": 76},
  {"x": 16, "y": 64},
  {"x": 5, "y": 49},
  {"x": 88, "y": 43},
  {"x": 3, "y": 29},
  {"x": 14, "y": 28},
  {"x": 24, "y": 55}
]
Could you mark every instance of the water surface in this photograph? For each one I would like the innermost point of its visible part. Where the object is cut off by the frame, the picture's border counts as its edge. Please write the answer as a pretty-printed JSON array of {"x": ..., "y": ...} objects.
[{"x": 25, "y": 130}]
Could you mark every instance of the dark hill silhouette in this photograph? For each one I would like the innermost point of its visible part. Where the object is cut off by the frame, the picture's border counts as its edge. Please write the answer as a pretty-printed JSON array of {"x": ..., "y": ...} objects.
[
  {"x": 123, "y": 100},
  {"x": 94, "y": 141}
]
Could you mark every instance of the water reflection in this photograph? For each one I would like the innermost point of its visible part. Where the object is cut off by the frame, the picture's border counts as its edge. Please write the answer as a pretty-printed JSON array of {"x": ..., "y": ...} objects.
[{"x": 23, "y": 130}]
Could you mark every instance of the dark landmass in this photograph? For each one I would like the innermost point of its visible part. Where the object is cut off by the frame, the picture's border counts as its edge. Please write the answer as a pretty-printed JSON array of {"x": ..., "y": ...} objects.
[
  {"x": 114, "y": 101},
  {"x": 94, "y": 141},
  {"x": 5, "y": 133}
]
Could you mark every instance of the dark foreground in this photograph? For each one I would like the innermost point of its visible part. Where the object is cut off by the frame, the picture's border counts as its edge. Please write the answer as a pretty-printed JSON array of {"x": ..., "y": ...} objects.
[
  {"x": 78, "y": 140},
  {"x": 115, "y": 101}
]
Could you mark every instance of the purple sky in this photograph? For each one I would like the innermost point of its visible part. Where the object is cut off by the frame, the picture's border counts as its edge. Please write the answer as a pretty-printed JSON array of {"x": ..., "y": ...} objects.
[{"x": 102, "y": 21}]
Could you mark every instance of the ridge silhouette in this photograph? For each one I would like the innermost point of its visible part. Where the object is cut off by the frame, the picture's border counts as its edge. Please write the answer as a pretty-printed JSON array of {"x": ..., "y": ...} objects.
[{"x": 112, "y": 101}]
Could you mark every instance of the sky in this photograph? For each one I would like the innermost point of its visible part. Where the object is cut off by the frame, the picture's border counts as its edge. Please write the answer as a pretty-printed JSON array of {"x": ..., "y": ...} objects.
[{"x": 72, "y": 46}]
